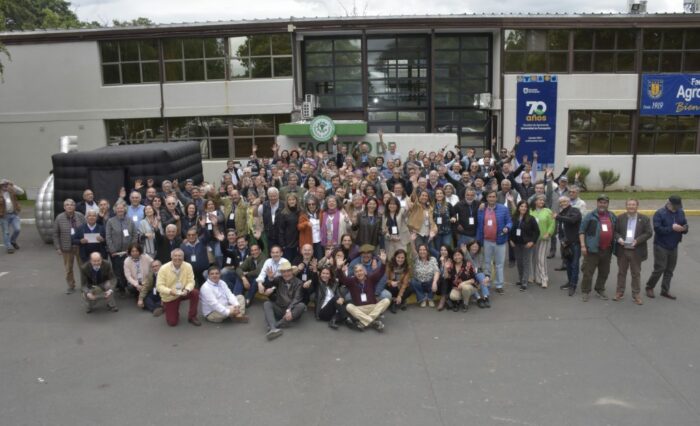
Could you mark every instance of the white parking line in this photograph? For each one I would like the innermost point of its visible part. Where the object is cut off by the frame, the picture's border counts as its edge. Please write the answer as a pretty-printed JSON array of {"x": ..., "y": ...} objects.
[{"x": 2, "y": 274}]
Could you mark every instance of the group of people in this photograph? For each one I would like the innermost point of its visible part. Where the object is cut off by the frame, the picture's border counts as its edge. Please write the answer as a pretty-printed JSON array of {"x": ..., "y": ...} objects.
[{"x": 355, "y": 235}]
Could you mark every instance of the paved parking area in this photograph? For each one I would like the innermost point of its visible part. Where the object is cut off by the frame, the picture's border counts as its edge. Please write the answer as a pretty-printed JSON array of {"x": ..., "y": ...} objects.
[{"x": 535, "y": 358}]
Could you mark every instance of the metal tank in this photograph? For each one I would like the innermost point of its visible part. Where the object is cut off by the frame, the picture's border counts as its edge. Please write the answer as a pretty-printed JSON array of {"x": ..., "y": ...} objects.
[{"x": 43, "y": 209}]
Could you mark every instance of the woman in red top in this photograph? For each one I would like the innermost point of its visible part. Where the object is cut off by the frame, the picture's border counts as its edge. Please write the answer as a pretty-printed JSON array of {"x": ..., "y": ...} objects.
[{"x": 461, "y": 276}]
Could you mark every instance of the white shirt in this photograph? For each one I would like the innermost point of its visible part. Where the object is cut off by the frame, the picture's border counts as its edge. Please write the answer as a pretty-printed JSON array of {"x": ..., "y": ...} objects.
[
  {"x": 315, "y": 229},
  {"x": 92, "y": 207},
  {"x": 216, "y": 297},
  {"x": 9, "y": 207},
  {"x": 270, "y": 264}
]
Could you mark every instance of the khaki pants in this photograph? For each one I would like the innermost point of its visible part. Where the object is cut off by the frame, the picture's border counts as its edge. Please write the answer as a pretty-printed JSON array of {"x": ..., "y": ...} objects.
[
  {"x": 217, "y": 317},
  {"x": 540, "y": 261},
  {"x": 591, "y": 262},
  {"x": 463, "y": 292},
  {"x": 69, "y": 259},
  {"x": 367, "y": 314},
  {"x": 628, "y": 259}
]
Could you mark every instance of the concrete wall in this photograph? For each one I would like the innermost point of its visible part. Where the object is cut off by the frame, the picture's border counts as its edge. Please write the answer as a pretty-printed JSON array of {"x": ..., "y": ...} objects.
[
  {"x": 53, "y": 90},
  {"x": 604, "y": 91}
]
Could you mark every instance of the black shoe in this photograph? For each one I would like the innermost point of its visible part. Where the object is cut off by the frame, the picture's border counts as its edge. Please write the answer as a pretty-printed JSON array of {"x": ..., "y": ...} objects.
[
  {"x": 565, "y": 286},
  {"x": 500, "y": 291},
  {"x": 487, "y": 302},
  {"x": 518, "y": 284},
  {"x": 561, "y": 268},
  {"x": 465, "y": 306},
  {"x": 480, "y": 303},
  {"x": 511, "y": 263},
  {"x": 403, "y": 306},
  {"x": 15, "y": 245},
  {"x": 377, "y": 325},
  {"x": 393, "y": 308},
  {"x": 349, "y": 322},
  {"x": 455, "y": 307},
  {"x": 572, "y": 290},
  {"x": 523, "y": 287},
  {"x": 551, "y": 256},
  {"x": 333, "y": 324}
]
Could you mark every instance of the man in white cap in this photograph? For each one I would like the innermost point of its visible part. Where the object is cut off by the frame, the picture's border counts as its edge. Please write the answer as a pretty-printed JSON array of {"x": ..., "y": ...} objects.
[{"x": 287, "y": 305}]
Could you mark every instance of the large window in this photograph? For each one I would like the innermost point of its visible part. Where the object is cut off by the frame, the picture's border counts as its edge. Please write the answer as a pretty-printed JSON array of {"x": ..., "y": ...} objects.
[
  {"x": 130, "y": 62},
  {"x": 462, "y": 69},
  {"x": 600, "y": 132},
  {"x": 471, "y": 125},
  {"x": 605, "y": 51},
  {"x": 219, "y": 137},
  {"x": 397, "y": 73},
  {"x": 333, "y": 72},
  {"x": 536, "y": 50},
  {"x": 674, "y": 50},
  {"x": 668, "y": 134},
  {"x": 261, "y": 56},
  {"x": 194, "y": 59}
]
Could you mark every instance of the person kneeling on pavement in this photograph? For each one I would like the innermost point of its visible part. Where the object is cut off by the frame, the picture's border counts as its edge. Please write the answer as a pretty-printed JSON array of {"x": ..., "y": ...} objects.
[
  {"x": 364, "y": 307},
  {"x": 175, "y": 283},
  {"x": 149, "y": 298},
  {"x": 97, "y": 281},
  {"x": 218, "y": 302},
  {"x": 286, "y": 304}
]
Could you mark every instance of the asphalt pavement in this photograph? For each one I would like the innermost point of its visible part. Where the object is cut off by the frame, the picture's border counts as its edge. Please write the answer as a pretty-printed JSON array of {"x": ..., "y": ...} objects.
[{"x": 534, "y": 358}]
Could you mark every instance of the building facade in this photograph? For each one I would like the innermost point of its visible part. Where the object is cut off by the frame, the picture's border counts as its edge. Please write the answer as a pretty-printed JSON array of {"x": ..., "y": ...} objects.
[{"x": 230, "y": 85}]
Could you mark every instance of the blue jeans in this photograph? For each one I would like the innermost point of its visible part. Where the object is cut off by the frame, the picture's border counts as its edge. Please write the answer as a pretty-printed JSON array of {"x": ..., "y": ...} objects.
[
  {"x": 572, "y": 265},
  {"x": 424, "y": 290},
  {"x": 438, "y": 241},
  {"x": 380, "y": 289},
  {"x": 483, "y": 286},
  {"x": 497, "y": 253},
  {"x": 10, "y": 227},
  {"x": 152, "y": 301}
]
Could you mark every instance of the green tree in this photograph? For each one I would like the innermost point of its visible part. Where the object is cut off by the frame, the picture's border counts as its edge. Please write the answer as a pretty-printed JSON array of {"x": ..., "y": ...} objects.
[
  {"x": 138, "y": 22},
  {"x": 24, "y": 15}
]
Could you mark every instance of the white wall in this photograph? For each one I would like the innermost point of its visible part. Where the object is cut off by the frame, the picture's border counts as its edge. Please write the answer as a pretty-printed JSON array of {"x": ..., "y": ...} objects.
[
  {"x": 604, "y": 91},
  {"x": 53, "y": 90}
]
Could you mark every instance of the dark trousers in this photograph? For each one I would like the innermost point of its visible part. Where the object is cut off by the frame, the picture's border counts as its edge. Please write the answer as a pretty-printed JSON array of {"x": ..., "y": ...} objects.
[
  {"x": 290, "y": 253},
  {"x": 152, "y": 301},
  {"x": 628, "y": 259},
  {"x": 319, "y": 252},
  {"x": 118, "y": 267},
  {"x": 407, "y": 293},
  {"x": 572, "y": 264},
  {"x": 591, "y": 262},
  {"x": 172, "y": 309},
  {"x": 664, "y": 264},
  {"x": 331, "y": 310},
  {"x": 274, "y": 314}
]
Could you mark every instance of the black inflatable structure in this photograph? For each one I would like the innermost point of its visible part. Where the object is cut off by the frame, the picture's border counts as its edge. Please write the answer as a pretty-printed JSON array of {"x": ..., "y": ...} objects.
[{"x": 106, "y": 170}]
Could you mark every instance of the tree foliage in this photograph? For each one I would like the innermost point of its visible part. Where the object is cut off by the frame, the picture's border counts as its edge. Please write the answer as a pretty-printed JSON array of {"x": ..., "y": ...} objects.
[
  {"x": 608, "y": 177},
  {"x": 25, "y": 15},
  {"x": 138, "y": 22}
]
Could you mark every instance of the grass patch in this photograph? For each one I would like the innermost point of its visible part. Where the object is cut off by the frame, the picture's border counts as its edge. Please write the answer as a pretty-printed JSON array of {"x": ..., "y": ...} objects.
[
  {"x": 27, "y": 204},
  {"x": 642, "y": 195}
]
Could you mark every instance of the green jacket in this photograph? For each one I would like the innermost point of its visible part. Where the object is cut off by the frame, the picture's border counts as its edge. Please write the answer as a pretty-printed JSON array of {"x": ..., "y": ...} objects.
[
  {"x": 545, "y": 220},
  {"x": 590, "y": 228}
]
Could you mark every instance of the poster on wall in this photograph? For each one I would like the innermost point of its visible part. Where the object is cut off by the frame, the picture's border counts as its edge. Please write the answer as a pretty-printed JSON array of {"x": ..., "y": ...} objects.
[
  {"x": 670, "y": 94},
  {"x": 536, "y": 117}
]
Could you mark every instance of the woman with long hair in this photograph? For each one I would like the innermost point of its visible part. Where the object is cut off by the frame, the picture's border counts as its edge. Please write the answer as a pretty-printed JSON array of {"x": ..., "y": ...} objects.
[
  {"x": 395, "y": 230},
  {"x": 309, "y": 226},
  {"x": 369, "y": 224},
  {"x": 460, "y": 279},
  {"x": 523, "y": 237},
  {"x": 426, "y": 273},
  {"x": 330, "y": 298},
  {"x": 146, "y": 232},
  {"x": 334, "y": 225},
  {"x": 545, "y": 220},
  {"x": 442, "y": 216},
  {"x": 420, "y": 218},
  {"x": 348, "y": 247},
  {"x": 398, "y": 273},
  {"x": 289, "y": 233},
  {"x": 189, "y": 219},
  {"x": 473, "y": 254}
]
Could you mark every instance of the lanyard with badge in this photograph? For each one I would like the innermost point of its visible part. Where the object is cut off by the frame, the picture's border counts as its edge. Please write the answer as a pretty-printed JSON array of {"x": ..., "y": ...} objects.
[
  {"x": 363, "y": 295},
  {"x": 471, "y": 215},
  {"x": 393, "y": 225},
  {"x": 178, "y": 284}
]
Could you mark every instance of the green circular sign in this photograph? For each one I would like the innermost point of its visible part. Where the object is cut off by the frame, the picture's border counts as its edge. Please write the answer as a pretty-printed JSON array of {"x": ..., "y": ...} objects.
[{"x": 322, "y": 128}]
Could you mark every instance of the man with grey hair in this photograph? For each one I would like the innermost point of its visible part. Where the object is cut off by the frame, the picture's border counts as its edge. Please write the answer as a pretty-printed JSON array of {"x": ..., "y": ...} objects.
[
  {"x": 120, "y": 231},
  {"x": 269, "y": 212},
  {"x": 568, "y": 221},
  {"x": 97, "y": 282},
  {"x": 135, "y": 209},
  {"x": 64, "y": 228},
  {"x": 165, "y": 244},
  {"x": 578, "y": 204},
  {"x": 632, "y": 231}
]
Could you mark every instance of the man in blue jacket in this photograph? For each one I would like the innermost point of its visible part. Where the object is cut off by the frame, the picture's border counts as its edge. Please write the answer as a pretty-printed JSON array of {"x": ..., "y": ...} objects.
[
  {"x": 493, "y": 227},
  {"x": 669, "y": 226}
]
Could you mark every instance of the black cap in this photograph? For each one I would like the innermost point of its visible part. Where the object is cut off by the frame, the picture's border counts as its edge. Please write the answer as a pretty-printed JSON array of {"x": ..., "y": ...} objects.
[
  {"x": 675, "y": 201},
  {"x": 603, "y": 197}
]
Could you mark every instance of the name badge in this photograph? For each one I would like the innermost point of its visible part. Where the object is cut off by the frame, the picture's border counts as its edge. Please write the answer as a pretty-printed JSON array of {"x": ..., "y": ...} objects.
[
  {"x": 135, "y": 218},
  {"x": 209, "y": 227},
  {"x": 394, "y": 230},
  {"x": 363, "y": 297},
  {"x": 193, "y": 258},
  {"x": 471, "y": 221},
  {"x": 230, "y": 217},
  {"x": 439, "y": 220},
  {"x": 630, "y": 234},
  {"x": 125, "y": 232},
  {"x": 72, "y": 231},
  {"x": 604, "y": 227},
  {"x": 489, "y": 222},
  {"x": 228, "y": 260},
  {"x": 303, "y": 277},
  {"x": 517, "y": 232}
]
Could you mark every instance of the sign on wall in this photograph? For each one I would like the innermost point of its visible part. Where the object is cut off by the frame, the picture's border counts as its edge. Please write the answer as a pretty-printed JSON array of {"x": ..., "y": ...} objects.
[
  {"x": 670, "y": 94},
  {"x": 536, "y": 116}
]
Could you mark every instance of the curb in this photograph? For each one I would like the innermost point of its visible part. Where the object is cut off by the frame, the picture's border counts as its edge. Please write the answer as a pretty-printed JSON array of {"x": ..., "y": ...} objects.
[{"x": 651, "y": 212}]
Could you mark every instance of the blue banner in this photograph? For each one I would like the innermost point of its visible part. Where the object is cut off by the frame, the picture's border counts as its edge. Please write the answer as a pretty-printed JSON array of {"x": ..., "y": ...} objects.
[
  {"x": 670, "y": 94},
  {"x": 536, "y": 117}
]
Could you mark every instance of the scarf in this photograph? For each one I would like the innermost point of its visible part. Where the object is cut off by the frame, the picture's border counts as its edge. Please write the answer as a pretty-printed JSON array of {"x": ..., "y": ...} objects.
[{"x": 329, "y": 236}]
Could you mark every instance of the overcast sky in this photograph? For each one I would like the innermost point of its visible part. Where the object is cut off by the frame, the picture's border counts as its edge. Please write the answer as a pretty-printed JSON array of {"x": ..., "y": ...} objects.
[{"x": 169, "y": 11}]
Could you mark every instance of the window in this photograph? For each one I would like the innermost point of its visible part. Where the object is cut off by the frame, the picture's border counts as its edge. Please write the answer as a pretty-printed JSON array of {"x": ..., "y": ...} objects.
[
  {"x": 196, "y": 59},
  {"x": 219, "y": 137},
  {"x": 462, "y": 69},
  {"x": 471, "y": 125},
  {"x": 674, "y": 50},
  {"x": 260, "y": 56},
  {"x": 397, "y": 72},
  {"x": 129, "y": 62},
  {"x": 605, "y": 51},
  {"x": 135, "y": 131},
  {"x": 536, "y": 51},
  {"x": 333, "y": 72},
  {"x": 668, "y": 134},
  {"x": 600, "y": 132}
]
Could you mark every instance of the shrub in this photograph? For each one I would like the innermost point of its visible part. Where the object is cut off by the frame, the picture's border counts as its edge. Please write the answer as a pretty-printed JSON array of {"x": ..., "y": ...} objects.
[
  {"x": 608, "y": 177},
  {"x": 582, "y": 171}
]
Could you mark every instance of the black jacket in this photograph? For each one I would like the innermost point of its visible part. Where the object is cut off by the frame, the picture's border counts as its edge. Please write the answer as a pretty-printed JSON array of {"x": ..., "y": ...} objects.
[
  {"x": 529, "y": 230},
  {"x": 464, "y": 211},
  {"x": 568, "y": 223}
]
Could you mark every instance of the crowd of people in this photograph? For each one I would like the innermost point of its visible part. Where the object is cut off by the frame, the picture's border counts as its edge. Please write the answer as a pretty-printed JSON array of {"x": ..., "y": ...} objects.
[{"x": 354, "y": 235}]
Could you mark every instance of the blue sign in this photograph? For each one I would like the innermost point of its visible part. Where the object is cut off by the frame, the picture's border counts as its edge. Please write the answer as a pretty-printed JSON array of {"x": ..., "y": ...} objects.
[
  {"x": 536, "y": 117},
  {"x": 670, "y": 94}
]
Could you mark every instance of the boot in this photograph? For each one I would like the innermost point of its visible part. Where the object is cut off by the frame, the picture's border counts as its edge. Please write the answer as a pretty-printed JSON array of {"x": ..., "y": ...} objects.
[{"x": 441, "y": 304}]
